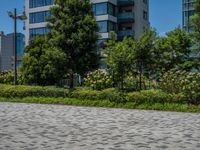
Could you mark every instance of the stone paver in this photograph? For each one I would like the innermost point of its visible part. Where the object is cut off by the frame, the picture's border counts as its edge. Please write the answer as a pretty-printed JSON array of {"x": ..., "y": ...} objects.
[{"x": 51, "y": 127}]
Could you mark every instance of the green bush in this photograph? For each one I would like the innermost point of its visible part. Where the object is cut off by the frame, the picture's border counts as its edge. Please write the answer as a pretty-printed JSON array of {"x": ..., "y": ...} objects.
[
  {"x": 84, "y": 93},
  {"x": 149, "y": 96},
  {"x": 111, "y": 94},
  {"x": 98, "y": 80},
  {"x": 108, "y": 94},
  {"x": 6, "y": 77},
  {"x": 25, "y": 91},
  {"x": 187, "y": 83}
]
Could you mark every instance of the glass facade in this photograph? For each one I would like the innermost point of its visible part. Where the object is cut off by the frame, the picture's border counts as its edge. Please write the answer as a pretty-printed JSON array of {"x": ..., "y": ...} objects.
[
  {"x": 106, "y": 26},
  {"x": 104, "y": 9},
  {"x": 188, "y": 11},
  {"x": 20, "y": 42},
  {"x": 20, "y": 46},
  {"x": 38, "y": 31},
  {"x": 39, "y": 3},
  {"x": 38, "y": 17}
]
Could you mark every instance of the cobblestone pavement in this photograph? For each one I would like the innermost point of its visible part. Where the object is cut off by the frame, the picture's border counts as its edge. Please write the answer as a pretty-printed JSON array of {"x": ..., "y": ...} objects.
[{"x": 51, "y": 127}]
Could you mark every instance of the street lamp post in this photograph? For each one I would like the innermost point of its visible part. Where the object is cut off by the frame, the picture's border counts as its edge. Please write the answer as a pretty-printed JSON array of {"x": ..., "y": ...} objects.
[{"x": 14, "y": 16}]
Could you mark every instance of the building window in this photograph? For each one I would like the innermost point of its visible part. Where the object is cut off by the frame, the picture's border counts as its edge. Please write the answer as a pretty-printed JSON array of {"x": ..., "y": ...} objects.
[
  {"x": 39, "y": 16},
  {"x": 111, "y": 9},
  {"x": 145, "y": 1},
  {"x": 103, "y": 26},
  {"x": 39, "y": 3},
  {"x": 103, "y": 9},
  {"x": 106, "y": 26},
  {"x": 145, "y": 15},
  {"x": 38, "y": 31}
]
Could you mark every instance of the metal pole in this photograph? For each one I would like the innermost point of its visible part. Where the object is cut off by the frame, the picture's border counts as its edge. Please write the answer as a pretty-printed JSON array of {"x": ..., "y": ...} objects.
[{"x": 15, "y": 46}]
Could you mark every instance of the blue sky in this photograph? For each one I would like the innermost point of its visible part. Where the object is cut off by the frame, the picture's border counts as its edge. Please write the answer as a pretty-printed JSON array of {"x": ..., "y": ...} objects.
[{"x": 165, "y": 15}]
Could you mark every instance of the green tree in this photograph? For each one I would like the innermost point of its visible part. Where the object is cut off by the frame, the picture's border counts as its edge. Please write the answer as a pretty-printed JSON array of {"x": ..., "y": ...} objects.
[
  {"x": 42, "y": 65},
  {"x": 74, "y": 31},
  {"x": 131, "y": 55},
  {"x": 143, "y": 55},
  {"x": 119, "y": 58},
  {"x": 194, "y": 63},
  {"x": 172, "y": 50},
  {"x": 195, "y": 24}
]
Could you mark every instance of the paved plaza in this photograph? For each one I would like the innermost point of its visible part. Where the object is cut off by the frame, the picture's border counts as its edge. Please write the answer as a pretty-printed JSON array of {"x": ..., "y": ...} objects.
[{"x": 56, "y": 127}]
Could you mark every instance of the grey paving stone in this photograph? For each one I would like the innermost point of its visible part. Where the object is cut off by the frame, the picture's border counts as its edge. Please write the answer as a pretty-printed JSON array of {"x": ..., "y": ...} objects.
[{"x": 56, "y": 127}]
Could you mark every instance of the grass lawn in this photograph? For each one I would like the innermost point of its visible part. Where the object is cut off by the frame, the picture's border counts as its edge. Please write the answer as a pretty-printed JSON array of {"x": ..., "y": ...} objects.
[{"x": 106, "y": 103}]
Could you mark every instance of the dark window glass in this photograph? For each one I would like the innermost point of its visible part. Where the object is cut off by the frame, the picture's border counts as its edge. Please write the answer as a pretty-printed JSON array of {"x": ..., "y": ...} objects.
[
  {"x": 39, "y": 3},
  {"x": 103, "y": 9},
  {"x": 145, "y": 15},
  {"x": 38, "y": 31},
  {"x": 103, "y": 26},
  {"x": 111, "y": 9},
  {"x": 106, "y": 26},
  {"x": 39, "y": 16}
]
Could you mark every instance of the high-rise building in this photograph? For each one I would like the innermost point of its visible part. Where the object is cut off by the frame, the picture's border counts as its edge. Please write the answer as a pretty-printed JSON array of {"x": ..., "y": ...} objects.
[
  {"x": 7, "y": 50},
  {"x": 125, "y": 17},
  {"x": 188, "y": 10}
]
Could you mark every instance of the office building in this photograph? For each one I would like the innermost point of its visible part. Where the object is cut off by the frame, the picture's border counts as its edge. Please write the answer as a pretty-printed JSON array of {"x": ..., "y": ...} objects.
[
  {"x": 188, "y": 11},
  {"x": 125, "y": 17},
  {"x": 7, "y": 50}
]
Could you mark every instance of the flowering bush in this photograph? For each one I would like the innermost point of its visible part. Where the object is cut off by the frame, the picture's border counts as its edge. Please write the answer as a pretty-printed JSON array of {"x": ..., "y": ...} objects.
[
  {"x": 184, "y": 82},
  {"x": 98, "y": 80}
]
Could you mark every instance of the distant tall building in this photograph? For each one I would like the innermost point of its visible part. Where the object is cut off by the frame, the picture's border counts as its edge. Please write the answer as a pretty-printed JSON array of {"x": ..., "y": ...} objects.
[
  {"x": 125, "y": 17},
  {"x": 188, "y": 11},
  {"x": 7, "y": 50}
]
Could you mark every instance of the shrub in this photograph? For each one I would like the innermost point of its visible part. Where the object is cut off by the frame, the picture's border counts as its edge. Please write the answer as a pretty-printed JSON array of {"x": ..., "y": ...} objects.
[
  {"x": 84, "y": 93},
  {"x": 98, "y": 80},
  {"x": 149, "y": 96},
  {"x": 108, "y": 94},
  {"x": 187, "y": 83},
  {"x": 111, "y": 94},
  {"x": 6, "y": 77},
  {"x": 25, "y": 91}
]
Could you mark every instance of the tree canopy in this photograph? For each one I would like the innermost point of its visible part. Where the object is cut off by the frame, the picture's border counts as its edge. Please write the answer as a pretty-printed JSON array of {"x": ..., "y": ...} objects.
[
  {"x": 42, "y": 65},
  {"x": 74, "y": 31}
]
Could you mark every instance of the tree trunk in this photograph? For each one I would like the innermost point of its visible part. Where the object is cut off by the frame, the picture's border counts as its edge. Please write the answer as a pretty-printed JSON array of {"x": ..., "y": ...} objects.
[
  {"x": 140, "y": 70},
  {"x": 71, "y": 79}
]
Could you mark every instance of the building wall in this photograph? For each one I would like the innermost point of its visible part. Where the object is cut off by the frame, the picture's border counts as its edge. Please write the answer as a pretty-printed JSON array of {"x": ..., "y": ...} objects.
[
  {"x": 125, "y": 26},
  {"x": 188, "y": 11},
  {"x": 7, "y": 50},
  {"x": 6, "y": 53},
  {"x": 140, "y": 22}
]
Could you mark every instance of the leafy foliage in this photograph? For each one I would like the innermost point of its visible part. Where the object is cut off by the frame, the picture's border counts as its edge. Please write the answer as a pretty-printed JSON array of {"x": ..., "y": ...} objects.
[
  {"x": 184, "y": 82},
  {"x": 145, "y": 96},
  {"x": 31, "y": 91},
  {"x": 172, "y": 50},
  {"x": 6, "y": 77},
  {"x": 133, "y": 56},
  {"x": 42, "y": 65},
  {"x": 73, "y": 30},
  {"x": 119, "y": 57},
  {"x": 195, "y": 24}
]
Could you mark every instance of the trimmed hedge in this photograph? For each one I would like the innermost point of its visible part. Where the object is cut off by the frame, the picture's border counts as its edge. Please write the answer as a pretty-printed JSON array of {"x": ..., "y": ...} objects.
[
  {"x": 107, "y": 94},
  {"x": 105, "y": 103},
  {"x": 113, "y": 95},
  {"x": 28, "y": 91}
]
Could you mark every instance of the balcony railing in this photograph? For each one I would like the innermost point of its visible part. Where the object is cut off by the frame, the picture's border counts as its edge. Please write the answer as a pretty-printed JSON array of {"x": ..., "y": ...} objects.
[
  {"x": 125, "y": 2},
  {"x": 126, "y": 17},
  {"x": 125, "y": 33}
]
